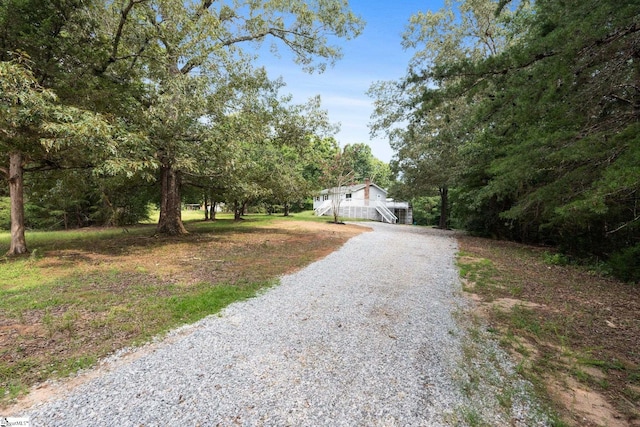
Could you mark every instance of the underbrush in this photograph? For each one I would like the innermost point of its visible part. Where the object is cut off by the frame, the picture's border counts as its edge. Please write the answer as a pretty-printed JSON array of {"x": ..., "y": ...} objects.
[{"x": 571, "y": 330}]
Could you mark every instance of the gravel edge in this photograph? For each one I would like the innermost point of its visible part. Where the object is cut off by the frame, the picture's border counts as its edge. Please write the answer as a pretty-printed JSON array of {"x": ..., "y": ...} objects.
[{"x": 451, "y": 389}]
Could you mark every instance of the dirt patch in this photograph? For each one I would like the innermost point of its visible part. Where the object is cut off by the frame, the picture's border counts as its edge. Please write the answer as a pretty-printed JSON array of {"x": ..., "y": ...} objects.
[
  {"x": 484, "y": 308},
  {"x": 507, "y": 304},
  {"x": 466, "y": 259},
  {"x": 323, "y": 227},
  {"x": 585, "y": 405}
]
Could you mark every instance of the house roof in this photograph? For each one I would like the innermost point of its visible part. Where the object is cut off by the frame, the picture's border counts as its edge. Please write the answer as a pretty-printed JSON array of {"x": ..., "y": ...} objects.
[{"x": 352, "y": 189}]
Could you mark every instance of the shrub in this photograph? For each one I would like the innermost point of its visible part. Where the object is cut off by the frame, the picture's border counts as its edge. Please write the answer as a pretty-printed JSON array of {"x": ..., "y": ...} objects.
[
  {"x": 625, "y": 264},
  {"x": 554, "y": 258},
  {"x": 5, "y": 213}
]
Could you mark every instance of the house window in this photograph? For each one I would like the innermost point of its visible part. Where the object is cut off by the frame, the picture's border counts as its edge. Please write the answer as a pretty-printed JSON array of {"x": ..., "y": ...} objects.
[
  {"x": 325, "y": 197},
  {"x": 348, "y": 196}
]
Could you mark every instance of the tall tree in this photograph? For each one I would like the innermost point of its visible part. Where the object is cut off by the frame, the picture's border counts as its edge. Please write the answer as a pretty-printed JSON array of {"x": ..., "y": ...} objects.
[
  {"x": 56, "y": 45},
  {"x": 425, "y": 119},
  {"x": 23, "y": 104},
  {"x": 564, "y": 126},
  {"x": 550, "y": 127},
  {"x": 297, "y": 130},
  {"x": 366, "y": 165},
  {"x": 148, "y": 56},
  {"x": 180, "y": 41},
  {"x": 34, "y": 128}
]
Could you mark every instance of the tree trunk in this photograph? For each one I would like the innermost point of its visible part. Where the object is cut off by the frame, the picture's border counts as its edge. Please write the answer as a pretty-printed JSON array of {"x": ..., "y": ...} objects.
[
  {"x": 212, "y": 210},
  {"x": 237, "y": 211},
  {"x": 444, "y": 202},
  {"x": 286, "y": 209},
  {"x": 16, "y": 193},
  {"x": 335, "y": 207},
  {"x": 206, "y": 207},
  {"x": 336, "y": 214},
  {"x": 170, "y": 221}
]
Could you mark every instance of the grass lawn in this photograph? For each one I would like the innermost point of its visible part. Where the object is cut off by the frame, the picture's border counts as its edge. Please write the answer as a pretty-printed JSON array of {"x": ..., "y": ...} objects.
[
  {"x": 574, "y": 333},
  {"x": 84, "y": 294}
]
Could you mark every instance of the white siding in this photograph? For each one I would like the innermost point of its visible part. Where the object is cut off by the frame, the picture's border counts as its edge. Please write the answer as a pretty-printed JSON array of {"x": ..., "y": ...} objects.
[{"x": 355, "y": 206}]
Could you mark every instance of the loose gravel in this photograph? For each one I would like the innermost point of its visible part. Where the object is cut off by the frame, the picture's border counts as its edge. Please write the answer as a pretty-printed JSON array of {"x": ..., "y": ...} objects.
[{"x": 368, "y": 336}]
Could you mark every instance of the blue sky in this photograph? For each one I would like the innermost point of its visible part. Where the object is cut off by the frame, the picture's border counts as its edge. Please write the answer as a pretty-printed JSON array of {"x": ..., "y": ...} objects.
[{"x": 373, "y": 56}]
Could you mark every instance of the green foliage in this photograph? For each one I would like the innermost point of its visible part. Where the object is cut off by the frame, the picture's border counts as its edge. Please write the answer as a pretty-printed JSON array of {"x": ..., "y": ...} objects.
[
  {"x": 25, "y": 106},
  {"x": 426, "y": 210},
  {"x": 563, "y": 164},
  {"x": 554, "y": 258},
  {"x": 530, "y": 115},
  {"x": 73, "y": 199},
  {"x": 170, "y": 77},
  {"x": 5, "y": 213},
  {"x": 625, "y": 264},
  {"x": 366, "y": 166}
]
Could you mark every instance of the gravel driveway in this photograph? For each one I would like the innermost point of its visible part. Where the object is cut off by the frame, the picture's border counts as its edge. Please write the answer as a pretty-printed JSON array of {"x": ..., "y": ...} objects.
[{"x": 367, "y": 336}]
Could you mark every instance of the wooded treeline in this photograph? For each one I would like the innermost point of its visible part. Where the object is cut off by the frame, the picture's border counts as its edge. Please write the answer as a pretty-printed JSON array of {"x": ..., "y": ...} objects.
[
  {"x": 108, "y": 106},
  {"x": 522, "y": 117},
  {"x": 525, "y": 117}
]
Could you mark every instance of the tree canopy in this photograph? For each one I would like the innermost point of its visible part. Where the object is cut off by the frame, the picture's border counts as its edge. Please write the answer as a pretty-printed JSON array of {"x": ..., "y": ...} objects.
[
  {"x": 160, "y": 91},
  {"x": 531, "y": 112}
]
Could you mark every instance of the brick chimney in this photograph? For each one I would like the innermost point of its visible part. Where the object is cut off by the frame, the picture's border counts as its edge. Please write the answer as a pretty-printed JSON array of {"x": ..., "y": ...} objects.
[{"x": 367, "y": 186}]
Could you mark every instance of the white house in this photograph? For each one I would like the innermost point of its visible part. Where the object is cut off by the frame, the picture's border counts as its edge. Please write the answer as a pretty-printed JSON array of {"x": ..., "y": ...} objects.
[{"x": 367, "y": 201}]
